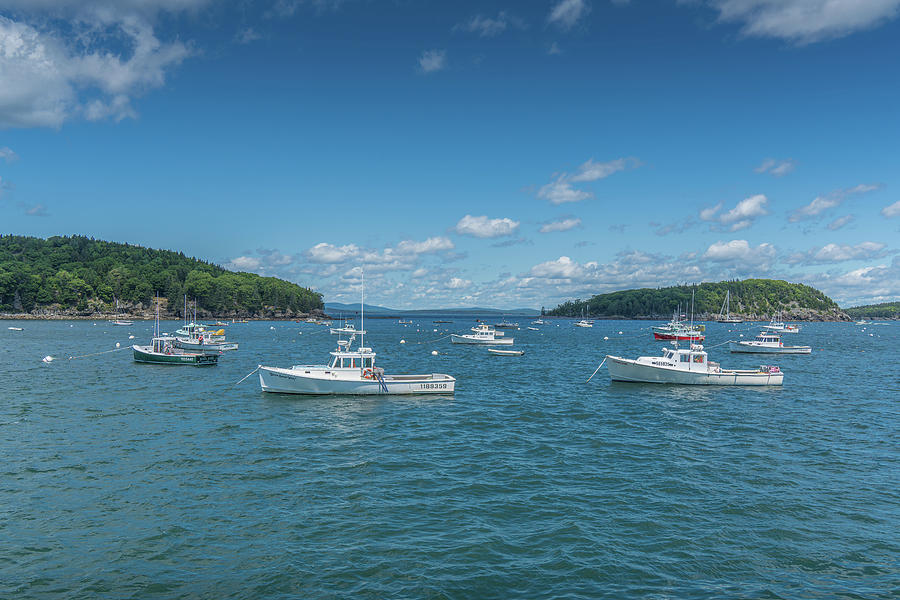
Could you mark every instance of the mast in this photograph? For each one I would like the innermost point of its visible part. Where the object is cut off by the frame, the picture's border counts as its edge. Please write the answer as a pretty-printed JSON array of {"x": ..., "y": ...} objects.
[{"x": 362, "y": 308}]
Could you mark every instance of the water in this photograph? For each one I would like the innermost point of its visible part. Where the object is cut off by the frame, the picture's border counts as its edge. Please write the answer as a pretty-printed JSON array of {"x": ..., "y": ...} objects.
[{"x": 122, "y": 480}]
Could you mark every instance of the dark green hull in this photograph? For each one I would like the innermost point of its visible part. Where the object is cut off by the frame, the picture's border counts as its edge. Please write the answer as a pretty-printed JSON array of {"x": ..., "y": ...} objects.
[{"x": 143, "y": 355}]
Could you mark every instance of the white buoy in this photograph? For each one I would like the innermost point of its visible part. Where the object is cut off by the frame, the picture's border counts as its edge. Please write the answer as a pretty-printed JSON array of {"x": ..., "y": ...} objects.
[
  {"x": 742, "y": 335},
  {"x": 117, "y": 344},
  {"x": 435, "y": 330},
  {"x": 434, "y": 353},
  {"x": 71, "y": 326},
  {"x": 271, "y": 327},
  {"x": 47, "y": 359},
  {"x": 620, "y": 333},
  {"x": 130, "y": 337},
  {"x": 605, "y": 337},
  {"x": 299, "y": 333},
  {"x": 402, "y": 341}
]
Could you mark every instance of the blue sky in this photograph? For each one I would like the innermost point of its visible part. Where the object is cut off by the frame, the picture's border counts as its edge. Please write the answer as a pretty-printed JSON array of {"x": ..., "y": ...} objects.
[{"x": 503, "y": 154}]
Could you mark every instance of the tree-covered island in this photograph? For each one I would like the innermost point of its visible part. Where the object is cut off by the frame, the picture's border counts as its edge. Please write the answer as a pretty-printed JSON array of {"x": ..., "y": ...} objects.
[
  {"x": 751, "y": 299},
  {"x": 79, "y": 276}
]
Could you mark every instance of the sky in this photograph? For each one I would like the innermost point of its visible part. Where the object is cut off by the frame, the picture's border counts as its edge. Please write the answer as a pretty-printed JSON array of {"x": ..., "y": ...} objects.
[{"x": 507, "y": 154}]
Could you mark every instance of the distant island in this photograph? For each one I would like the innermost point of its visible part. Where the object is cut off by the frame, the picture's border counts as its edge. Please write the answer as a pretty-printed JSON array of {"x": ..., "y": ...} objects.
[
  {"x": 336, "y": 309},
  {"x": 78, "y": 276},
  {"x": 750, "y": 299},
  {"x": 885, "y": 310}
]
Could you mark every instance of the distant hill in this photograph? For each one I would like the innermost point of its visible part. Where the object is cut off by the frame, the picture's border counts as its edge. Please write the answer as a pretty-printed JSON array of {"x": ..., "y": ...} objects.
[
  {"x": 885, "y": 310},
  {"x": 336, "y": 308},
  {"x": 82, "y": 276},
  {"x": 756, "y": 299}
]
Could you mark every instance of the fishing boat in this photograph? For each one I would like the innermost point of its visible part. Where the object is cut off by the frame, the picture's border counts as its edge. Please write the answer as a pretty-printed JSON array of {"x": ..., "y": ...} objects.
[
  {"x": 767, "y": 343},
  {"x": 537, "y": 322},
  {"x": 484, "y": 338},
  {"x": 485, "y": 328},
  {"x": 504, "y": 324},
  {"x": 533, "y": 329},
  {"x": 402, "y": 322},
  {"x": 162, "y": 351},
  {"x": 681, "y": 333},
  {"x": 202, "y": 339},
  {"x": 778, "y": 326},
  {"x": 725, "y": 312},
  {"x": 497, "y": 352},
  {"x": 584, "y": 322},
  {"x": 687, "y": 366},
  {"x": 350, "y": 372}
]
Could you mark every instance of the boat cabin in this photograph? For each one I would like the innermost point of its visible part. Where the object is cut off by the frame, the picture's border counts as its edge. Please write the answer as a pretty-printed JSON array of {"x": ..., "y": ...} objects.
[
  {"x": 768, "y": 338},
  {"x": 344, "y": 358},
  {"x": 163, "y": 344},
  {"x": 684, "y": 359}
]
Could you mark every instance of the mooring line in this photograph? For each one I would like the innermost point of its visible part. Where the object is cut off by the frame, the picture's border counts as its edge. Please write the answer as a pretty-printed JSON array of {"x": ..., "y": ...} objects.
[
  {"x": 247, "y": 375},
  {"x": 98, "y": 353}
]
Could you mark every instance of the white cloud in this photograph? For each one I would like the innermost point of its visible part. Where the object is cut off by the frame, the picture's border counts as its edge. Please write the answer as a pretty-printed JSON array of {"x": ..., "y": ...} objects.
[
  {"x": 432, "y": 244},
  {"x": 456, "y": 283},
  {"x": 7, "y": 154},
  {"x": 741, "y": 216},
  {"x": 821, "y": 204},
  {"x": 488, "y": 26},
  {"x": 805, "y": 21},
  {"x": 833, "y": 253},
  {"x": 778, "y": 168},
  {"x": 243, "y": 263},
  {"x": 483, "y": 227},
  {"x": 432, "y": 60},
  {"x": 560, "y": 190},
  {"x": 326, "y": 253},
  {"x": 72, "y": 63},
  {"x": 741, "y": 252},
  {"x": 562, "y": 225},
  {"x": 892, "y": 210},
  {"x": 840, "y": 222},
  {"x": 566, "y": 13}
]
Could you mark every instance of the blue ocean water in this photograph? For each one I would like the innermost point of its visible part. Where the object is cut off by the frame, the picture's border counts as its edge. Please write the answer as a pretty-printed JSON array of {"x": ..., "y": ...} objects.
[{"x": 122, "y": 480}]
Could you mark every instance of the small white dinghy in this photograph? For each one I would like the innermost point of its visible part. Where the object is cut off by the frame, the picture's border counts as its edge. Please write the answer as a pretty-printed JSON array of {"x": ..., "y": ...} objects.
[
  {"x": 497, "y": 352},
  {"x": 15, "y": 328}
]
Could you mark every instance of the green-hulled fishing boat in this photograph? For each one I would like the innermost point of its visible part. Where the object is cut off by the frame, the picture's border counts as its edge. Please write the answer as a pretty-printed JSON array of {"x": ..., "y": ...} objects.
[{"x": 162, "y": 351}]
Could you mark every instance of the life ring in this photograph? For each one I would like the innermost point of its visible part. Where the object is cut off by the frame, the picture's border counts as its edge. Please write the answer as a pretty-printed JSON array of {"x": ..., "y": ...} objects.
[{"x": 368, "y": 373}]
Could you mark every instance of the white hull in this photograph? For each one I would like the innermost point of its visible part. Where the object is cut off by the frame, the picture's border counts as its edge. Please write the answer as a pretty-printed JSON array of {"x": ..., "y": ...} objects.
[
  {"x": 623, "y": 369},
  {"x": 210, "y": 347},
  {"x": 752, "y": 348},
  {"x": 482, "y": 340},
  {"x": 506, "y": 352},
  {"x": 349, "y": 382}
]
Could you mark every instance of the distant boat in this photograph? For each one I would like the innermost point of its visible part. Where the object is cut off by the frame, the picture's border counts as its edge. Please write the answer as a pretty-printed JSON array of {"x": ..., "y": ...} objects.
[
  {"x": 442, "y": 321},
  {"x": 534, "y": 329},
  {"x": 504, "y": 324},
  {"x": 118, "y": 320},
  {"x": 687, "y": 366},
  {"x": 776, "y": 326},
  {"x": 584, "y": 322},
  {"x": 497, "y": 352},
  {"x": 402, "y": 322},
  {"x": 15, "y": 328},
  {"x": 538, "y": 322},
  {"x": 767, "y": 343},
  {"x": 484, "y": 338},
  {"x": 725, "y": 312}
]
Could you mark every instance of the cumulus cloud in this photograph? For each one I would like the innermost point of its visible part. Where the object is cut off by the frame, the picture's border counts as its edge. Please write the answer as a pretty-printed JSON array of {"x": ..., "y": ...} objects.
[
  {"x": 483, "y": 227},
  {"x": 326, "y": 253},
  {"x": 561, "y": 225},
  {"x": 7, "y": 154},
  {"x": 777, "y": 168},
  {"x": 61, "y": 59},
  {"x": 805, "y": 21},
  {"x": 566, "y": 13},
  {"x": 432, "y": 244},
  {"x": 561, "y": 190},
  {"x": 741, "y": 252},
  {"x": 741, "y": 216},
  {"x": 834, "y": 253},
  {"x": 821, "y": 204},
  {"x": 431, "y": 61},
  {"x": 892, "y": 210}
]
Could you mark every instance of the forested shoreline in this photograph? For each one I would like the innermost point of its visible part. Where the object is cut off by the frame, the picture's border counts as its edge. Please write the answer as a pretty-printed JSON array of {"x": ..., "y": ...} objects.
[
  {"x": 79, "y": 276},
  {"x": 756, "y": 299},
  {"x": 885, "y": 310}
]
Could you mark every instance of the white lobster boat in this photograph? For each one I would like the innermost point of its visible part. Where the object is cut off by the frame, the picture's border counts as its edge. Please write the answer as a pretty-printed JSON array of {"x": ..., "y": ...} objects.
[
  {"x": 484, "y": 338},
  {"x": 350, "y": 372},
  {"x": 688, "y": 366},
  {"x": 485, "y": 328},
  {"x": 767, "y": 343}
]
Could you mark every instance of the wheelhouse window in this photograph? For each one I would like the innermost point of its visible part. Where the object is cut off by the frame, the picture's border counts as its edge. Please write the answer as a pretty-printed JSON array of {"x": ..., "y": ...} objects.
[
  {"x": 367, "y": 362},
  {"x": 685, "y": 358},
  {"x": 698, "y": 358}
]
